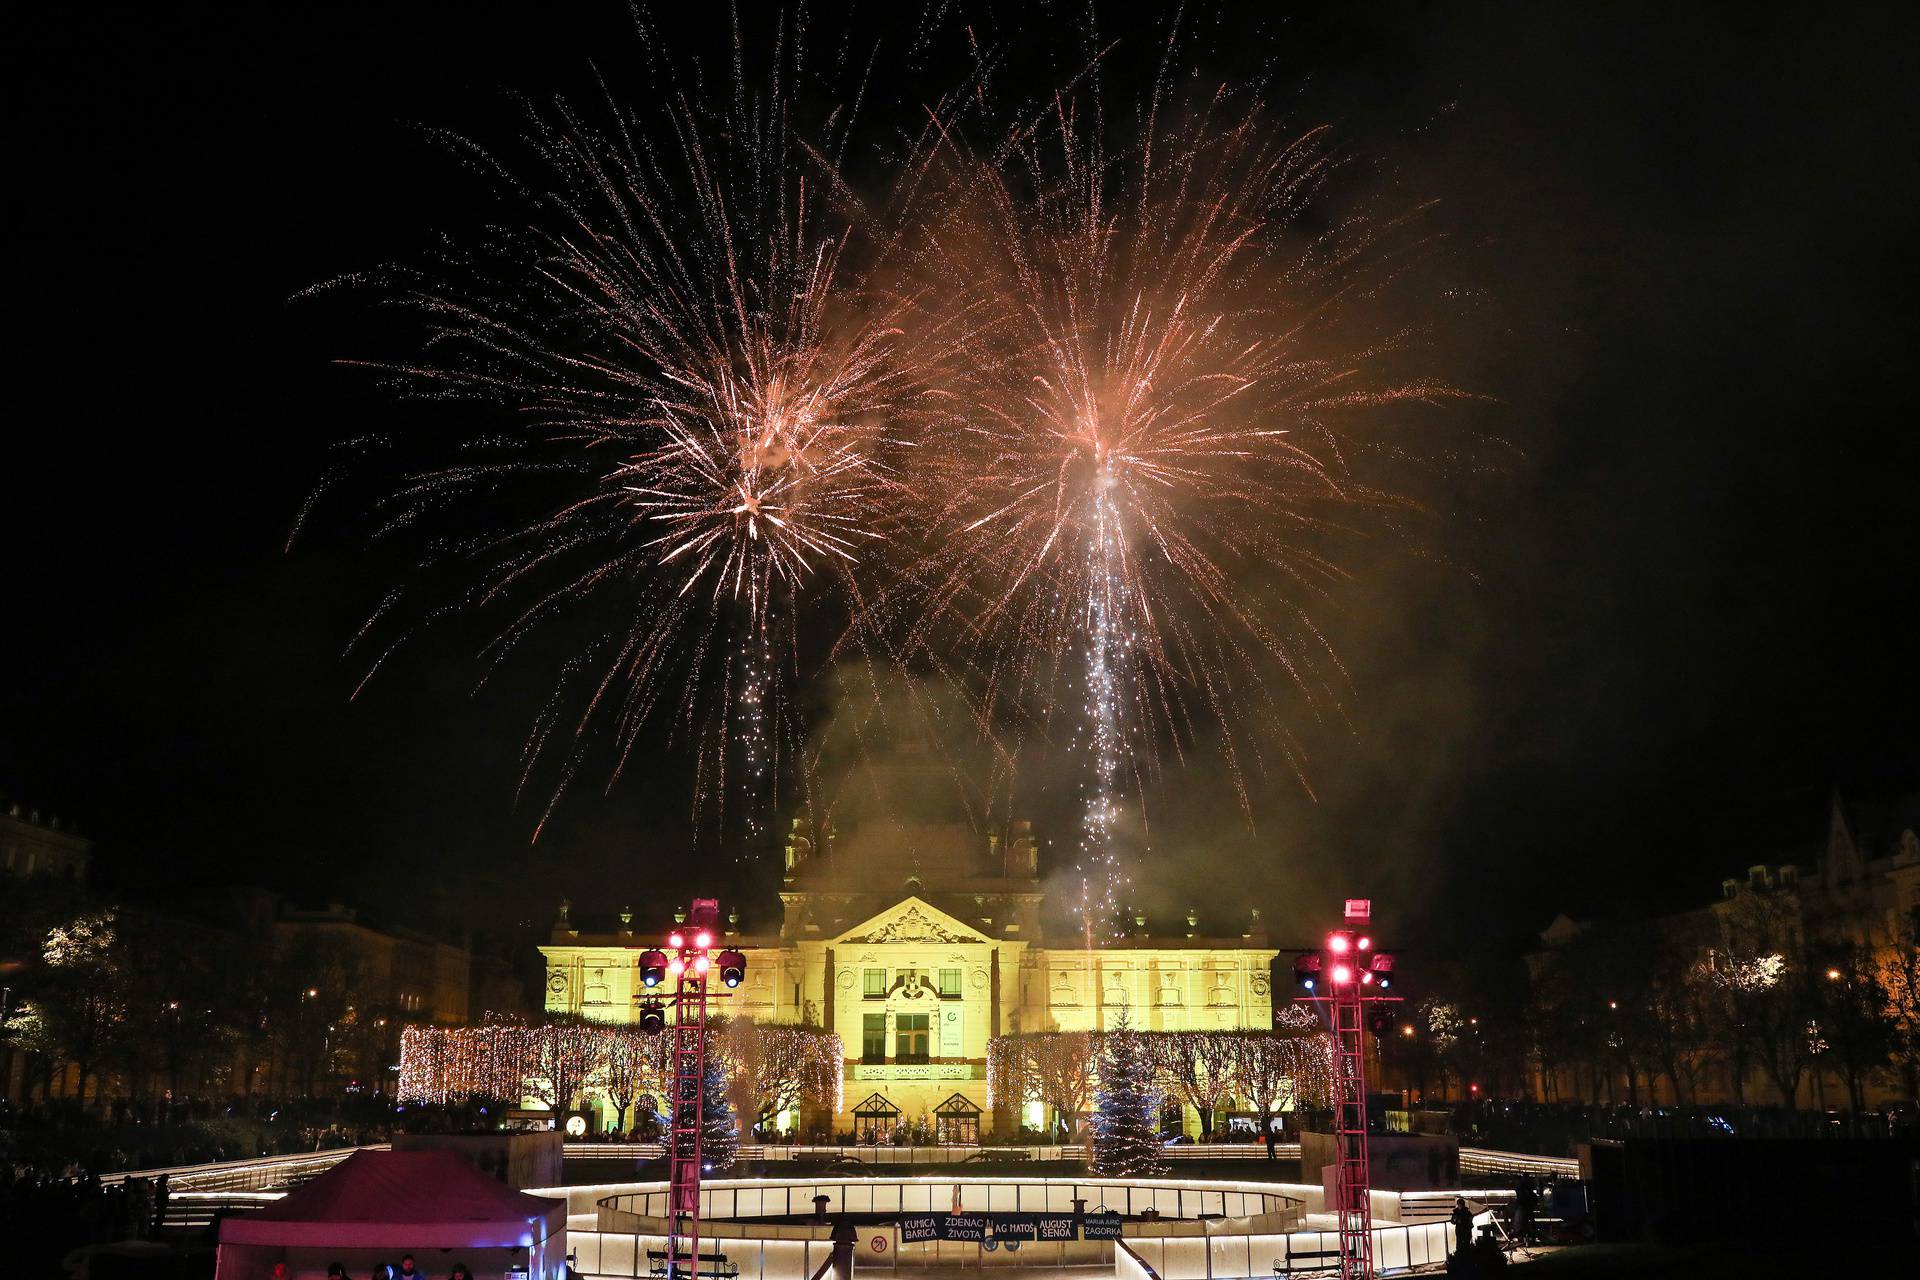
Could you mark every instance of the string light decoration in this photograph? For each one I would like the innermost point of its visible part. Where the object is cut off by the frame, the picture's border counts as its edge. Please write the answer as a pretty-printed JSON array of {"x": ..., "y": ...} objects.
[
  {"x": 776, "y": 1068},
  {"x": 1291, "y": 1064}
]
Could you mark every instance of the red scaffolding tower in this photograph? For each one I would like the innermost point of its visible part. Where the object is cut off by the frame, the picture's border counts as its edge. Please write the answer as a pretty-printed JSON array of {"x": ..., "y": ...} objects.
[
  {"x": 687, "y": 960},
  {"x": 1347, "y": 975},
  {"x": 689, "y": 1115}
]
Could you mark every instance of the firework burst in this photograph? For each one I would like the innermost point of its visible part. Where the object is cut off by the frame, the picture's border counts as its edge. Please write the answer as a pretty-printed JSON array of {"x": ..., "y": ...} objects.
[
  {"x": 1080, "y": 430},
  {"x": 1153, "y": 446},
  {"x": 706, "y": 400}
]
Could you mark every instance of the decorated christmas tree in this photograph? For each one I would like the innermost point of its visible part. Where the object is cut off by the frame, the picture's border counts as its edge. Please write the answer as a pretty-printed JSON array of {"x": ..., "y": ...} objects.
[
  {"x": 719, "y": 1139},
  {"x": 1126, "y": 1132}
]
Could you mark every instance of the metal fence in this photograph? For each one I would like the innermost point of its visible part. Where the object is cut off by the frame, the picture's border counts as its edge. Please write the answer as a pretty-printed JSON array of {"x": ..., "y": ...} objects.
[
  {"x": 1172, "y": 1201},
  {"x": 942, "y": 1153},
  {"x": 258, "y": 1173}
]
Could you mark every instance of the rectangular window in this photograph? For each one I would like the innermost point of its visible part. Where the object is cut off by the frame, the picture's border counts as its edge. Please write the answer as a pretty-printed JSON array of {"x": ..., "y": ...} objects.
[
  {"x": 873, "y": 1037},
  {"x": 910, "y": 1038},
  {"x": 949, "y": 982},
  {"x": 875, "y": 981}
]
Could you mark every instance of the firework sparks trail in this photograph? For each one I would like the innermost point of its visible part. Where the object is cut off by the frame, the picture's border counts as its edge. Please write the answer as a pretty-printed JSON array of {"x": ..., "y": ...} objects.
[
  {"x": 1101, "y": 877},
  {"x": 709, "y": 406},
  {"x": 1041, "y": 417},
  {"x": 1151, "y": 451}
]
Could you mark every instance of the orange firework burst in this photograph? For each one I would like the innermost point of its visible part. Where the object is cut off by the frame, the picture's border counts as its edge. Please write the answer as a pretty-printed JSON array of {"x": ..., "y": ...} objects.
[
  {"x": 1081, "y": 430},
  {"x": 1154, "y": 441}
]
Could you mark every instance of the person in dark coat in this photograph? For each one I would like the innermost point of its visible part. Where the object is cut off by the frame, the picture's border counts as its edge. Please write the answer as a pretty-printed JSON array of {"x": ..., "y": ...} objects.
[
  {"x": 1462, "y": 1218},
  {"x": 1525, "y": 1201}
]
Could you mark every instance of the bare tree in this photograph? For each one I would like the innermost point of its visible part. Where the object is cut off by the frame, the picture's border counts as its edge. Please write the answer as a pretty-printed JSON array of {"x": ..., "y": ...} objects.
[
  {"x": 1766, "y": 978},
  {"x": 1899, "y": 978},
  {"x": 1856, "y": 1033}
]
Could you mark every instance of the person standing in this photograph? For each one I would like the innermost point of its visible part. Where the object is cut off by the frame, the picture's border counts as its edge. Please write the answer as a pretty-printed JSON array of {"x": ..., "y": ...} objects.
[
  {"x": 1462, "y": 1218},
  {"x": 1525, "y": 1202}
]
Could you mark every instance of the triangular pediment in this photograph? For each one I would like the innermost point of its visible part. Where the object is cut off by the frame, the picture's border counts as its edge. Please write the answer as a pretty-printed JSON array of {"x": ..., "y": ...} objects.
[{"x": 912, "y": 919}]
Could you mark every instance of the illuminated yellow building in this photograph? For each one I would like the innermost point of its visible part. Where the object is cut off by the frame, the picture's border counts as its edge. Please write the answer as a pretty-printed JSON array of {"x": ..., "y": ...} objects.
[{"x": 918, "y": 941}]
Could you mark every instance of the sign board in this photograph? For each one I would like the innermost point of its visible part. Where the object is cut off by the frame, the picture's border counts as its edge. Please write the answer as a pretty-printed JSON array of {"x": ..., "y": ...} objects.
[
  {"x": 1056, "y": 1228},
  {"x": 918, "y": 1230},
  {"x": 1007, "y": 1228},
  {"x": 961, "y": 1226},
  {"x": 1101, "y": 1226}
]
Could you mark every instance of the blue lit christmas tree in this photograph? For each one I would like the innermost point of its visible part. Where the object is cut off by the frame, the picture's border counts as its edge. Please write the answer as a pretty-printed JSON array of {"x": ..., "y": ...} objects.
[{"x": 1126, "y": 1131}]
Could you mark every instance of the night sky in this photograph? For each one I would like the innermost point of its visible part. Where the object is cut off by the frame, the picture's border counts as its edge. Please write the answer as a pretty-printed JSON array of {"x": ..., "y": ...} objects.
[{"x": 1638, "y": 657}]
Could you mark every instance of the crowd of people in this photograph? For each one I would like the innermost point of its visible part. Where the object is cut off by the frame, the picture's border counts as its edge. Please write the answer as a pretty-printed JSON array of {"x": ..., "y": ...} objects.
[{"x": 57, "y": 1208}]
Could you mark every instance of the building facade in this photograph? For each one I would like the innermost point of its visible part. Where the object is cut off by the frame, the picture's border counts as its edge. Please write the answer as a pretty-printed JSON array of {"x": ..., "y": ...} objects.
[
  {"x": 918, "y": 941},
  {"x": 33, "y": 846},
  {"x": 1859, "y": 887}
]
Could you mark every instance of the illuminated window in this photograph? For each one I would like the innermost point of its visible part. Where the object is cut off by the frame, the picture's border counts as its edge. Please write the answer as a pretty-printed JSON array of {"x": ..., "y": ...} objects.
[
  {"x": 875, "y": 983},
  {"x": 873, "y": 1037},
  {"x": 949, "y": 982},
  {"x": 910, "y": 1038}
]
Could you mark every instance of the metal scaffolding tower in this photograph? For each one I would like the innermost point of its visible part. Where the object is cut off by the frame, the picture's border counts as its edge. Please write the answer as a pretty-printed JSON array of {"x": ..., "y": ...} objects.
[
  {"x": 1350, "y": 1134},
  {"x": 1346, "y": 976},
  {"x": 688, "y": 961}
]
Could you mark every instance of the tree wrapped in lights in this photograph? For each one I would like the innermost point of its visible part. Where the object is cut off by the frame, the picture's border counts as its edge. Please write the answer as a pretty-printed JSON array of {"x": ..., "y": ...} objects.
[
  {"x": 773, "y": 1069},
  {"x": 555, "y": 1063},
  {"x": 1126, "y": 1131},
  {"x": 1054, "y": 1067},
  {"x": 567, "y": 1051},
  {"x": 1277, "y": 1071},
  {"x": 633, "y": 1067},
  {"x": 1199, "y": 1065},
  {"x": 719, "y": 1135}
]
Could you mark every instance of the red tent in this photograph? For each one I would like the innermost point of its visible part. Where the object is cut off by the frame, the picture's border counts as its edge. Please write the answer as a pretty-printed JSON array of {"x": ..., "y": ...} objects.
[{"x": 376, "y": 1205}]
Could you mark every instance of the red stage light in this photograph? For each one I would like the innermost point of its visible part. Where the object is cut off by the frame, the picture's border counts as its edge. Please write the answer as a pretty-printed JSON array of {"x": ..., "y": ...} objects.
[
  {"x": 1342, "y": 974},
  {"x": 676, "y": 940},
  {"x": 700, "y": 964},
  {"x": 1337, "y": 943},
  {"x": 676, "y": 966},
  {"x": 703, "y": 939},
  {"x": 1364, "y": 943}
]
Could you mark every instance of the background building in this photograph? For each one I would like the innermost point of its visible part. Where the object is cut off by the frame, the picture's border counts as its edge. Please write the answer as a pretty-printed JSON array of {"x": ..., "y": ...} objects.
[
  {"x": 1795, "y": 985},
  {"x": 32, "y": 846},
  {"x": 918, "y": 941}
]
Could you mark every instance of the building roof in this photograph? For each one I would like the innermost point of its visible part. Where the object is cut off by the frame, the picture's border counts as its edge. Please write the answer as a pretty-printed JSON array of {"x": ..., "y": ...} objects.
[{"x": 401, "y": 1200}]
